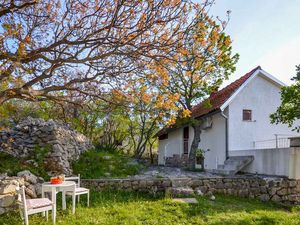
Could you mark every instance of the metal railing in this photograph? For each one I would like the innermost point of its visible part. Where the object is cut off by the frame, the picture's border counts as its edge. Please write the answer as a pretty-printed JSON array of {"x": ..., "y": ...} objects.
[{"x": 280, "y": 141}]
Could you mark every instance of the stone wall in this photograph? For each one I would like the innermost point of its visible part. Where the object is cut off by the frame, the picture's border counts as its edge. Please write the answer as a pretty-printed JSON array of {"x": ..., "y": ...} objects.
[
  {"x": 266, "y": 189},
  {"x": 8, "y": 196},
  {"x": 177, "y": 160},
  {"x": 65, "y": 144}
]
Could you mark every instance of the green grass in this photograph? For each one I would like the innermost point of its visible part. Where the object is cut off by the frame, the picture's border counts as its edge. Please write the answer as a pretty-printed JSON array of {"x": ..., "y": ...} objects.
[
  {"x": 136, "y": 208},
  {"x": 92, "y": 164}
]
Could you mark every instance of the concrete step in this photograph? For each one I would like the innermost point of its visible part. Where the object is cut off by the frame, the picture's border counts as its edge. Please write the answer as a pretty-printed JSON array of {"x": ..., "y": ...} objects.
[{"x": 234, "y": 164}]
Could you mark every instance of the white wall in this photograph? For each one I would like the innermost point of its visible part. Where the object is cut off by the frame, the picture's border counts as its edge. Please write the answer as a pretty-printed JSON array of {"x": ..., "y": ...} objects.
[
  {"x": 267, "y": 161},
  {"x": 214, "y": 140},
  {"x": 171, "y": 145},
  {"x": 262, "y": 97}
]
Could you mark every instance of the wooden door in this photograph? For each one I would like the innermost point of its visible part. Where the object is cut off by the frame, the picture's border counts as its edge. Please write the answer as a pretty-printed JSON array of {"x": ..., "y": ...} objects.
[{"x": 186, "y": 140}]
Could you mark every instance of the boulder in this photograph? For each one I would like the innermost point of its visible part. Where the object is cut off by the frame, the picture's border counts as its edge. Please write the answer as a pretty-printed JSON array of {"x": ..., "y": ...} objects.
[
  {"x": 107, "y": 157},
  {"x": 198, "y": 192},
  {"x": 28, "y": 176},
  {"x": 7, "y": 200},
  {"x": 180, "y": 192}
]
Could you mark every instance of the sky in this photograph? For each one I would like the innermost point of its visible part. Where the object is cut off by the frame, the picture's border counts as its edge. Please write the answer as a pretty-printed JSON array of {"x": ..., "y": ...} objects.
[{"x": 265, "y": 33}]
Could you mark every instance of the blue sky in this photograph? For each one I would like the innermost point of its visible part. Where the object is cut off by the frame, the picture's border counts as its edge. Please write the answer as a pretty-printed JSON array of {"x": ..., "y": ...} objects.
[{"x": 265, "y": 33}]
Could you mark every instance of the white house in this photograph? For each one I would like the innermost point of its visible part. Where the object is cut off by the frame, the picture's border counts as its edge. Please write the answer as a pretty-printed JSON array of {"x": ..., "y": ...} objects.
[{"x": 237, "y": 125}]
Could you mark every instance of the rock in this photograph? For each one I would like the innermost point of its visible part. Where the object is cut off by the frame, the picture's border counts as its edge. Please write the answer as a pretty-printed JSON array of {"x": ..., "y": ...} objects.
[
  {"x": 2, "y": 210},
  {"x": 107, "y": 157},
  {"x": 3, "y": 175},
  {"x": 7, "y": 200},
  {"x": 38, "y": 189},
  {"x": 186, "y": 200},
  {"x": 276, "y": 198},
  {"x": 264, "y": 197},
  {"x": 28, "y": 176},
  {"x": 107, "y": 174},
  {"x": 282, "y": 192},
  {"x": 180, "y": 192},
  {"x": 212, "y": 198},
  {"x": 30, "y": 191},
  {"x": 199, "y": 192},
  {"x": 209, "y": 194},
  {"x": 9, "y": 184},
  {"x": 7, "y": 188}
]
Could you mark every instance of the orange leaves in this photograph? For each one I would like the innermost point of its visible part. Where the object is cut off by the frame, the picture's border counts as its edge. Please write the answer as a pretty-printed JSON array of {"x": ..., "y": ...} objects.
[
  {"x": 117, "y": 95},
  {"x": 146, "y": 98},
  {"x": 171, "y": 121},
  {"x": 227, "y": 41},
  {"x": 186, "y": 113}
]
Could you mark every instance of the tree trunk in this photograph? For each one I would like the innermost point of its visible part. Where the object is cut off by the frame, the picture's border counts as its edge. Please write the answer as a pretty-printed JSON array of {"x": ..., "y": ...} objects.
[{"x": 194, "y": 146}]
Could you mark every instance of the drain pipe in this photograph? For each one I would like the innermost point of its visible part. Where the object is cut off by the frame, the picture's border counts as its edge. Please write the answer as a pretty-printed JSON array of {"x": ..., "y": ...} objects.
[{"x": 226, "y": 134}]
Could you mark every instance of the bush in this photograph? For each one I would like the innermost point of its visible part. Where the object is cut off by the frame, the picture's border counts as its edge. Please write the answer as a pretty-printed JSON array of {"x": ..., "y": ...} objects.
[
  {"x": 111, "y": 148},
  {"x": 96, "y": 164}
]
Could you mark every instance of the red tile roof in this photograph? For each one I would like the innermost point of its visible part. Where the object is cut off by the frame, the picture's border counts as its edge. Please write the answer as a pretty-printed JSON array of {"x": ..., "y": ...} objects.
[{"x": 217, "y": 99}]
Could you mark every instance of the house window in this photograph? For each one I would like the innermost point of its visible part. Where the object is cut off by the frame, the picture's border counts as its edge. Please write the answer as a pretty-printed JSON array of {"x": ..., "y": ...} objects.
[
  {"x": 163, "y": 137},
  {"x": 186, "y": 140},
  {"x": 247, "y": 115}
]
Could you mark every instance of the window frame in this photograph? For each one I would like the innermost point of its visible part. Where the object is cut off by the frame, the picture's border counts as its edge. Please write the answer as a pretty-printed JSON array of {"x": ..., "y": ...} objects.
[{"x": 247, "y": 115}]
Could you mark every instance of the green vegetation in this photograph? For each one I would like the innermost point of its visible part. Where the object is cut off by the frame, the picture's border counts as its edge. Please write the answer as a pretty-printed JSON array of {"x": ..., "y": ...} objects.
[
  {"x": 91, "y": 164},
  {"x": 34, "y": 163},
  {"x": 288, "y": 112},
  {"x": 137, "y": 208},
  {"x": 95, "y": 164}
]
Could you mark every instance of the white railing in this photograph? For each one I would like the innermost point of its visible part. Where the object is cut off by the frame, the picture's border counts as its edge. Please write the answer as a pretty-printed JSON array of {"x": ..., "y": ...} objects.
[{"x": 278, "y": 142}]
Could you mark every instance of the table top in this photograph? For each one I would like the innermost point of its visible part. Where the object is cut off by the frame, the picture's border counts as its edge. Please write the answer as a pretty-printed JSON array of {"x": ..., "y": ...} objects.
[{"x": 63, "y": 184}]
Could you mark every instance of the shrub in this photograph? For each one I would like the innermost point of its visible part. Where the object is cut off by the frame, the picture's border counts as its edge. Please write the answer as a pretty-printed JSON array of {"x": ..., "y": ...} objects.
[{"x": 95, "y": 164}]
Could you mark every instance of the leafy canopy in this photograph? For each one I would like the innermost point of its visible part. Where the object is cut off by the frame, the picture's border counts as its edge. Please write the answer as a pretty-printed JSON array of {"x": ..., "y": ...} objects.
[{"x": 289, "y": 110}]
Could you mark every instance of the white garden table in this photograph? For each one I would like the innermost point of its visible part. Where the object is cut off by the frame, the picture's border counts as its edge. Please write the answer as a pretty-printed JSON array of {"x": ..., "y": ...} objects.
[{"x": 66, "y": 186}]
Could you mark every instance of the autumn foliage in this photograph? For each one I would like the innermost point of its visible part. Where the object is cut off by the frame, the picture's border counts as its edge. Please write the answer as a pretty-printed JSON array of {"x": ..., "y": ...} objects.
[{"x": 57, "y": 49}]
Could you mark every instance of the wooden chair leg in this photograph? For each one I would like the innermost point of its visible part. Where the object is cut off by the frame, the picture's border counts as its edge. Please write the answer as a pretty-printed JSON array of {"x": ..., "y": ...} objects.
[
  {"x": 47, "y": 215},
  {"x": 88, "y": 199},
  {"x": 78, "y": 198}
]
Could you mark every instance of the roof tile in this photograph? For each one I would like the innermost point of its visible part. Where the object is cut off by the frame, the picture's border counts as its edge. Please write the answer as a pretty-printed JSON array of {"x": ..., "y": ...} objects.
[{"x": 216, "y": 100}]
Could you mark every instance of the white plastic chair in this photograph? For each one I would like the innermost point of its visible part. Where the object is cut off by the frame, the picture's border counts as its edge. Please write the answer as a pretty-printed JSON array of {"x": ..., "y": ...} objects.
[
  {"x": 32, "y": 206},
  {"x": 78, "y": 191}
]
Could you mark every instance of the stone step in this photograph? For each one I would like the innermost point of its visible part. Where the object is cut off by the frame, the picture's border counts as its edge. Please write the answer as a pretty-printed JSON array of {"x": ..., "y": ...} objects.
[{"x": 233, "y": 165}]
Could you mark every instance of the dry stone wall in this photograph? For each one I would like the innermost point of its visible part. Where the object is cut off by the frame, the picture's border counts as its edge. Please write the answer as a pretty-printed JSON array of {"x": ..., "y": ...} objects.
[
  {"x": 64, "y": 143},
  {"x": 266, "y": 189},
  {"x": 8, "y": 196}
]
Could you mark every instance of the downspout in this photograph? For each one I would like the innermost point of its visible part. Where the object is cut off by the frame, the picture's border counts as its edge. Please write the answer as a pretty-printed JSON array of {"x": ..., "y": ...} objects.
[{"x": 226, "y": 134}]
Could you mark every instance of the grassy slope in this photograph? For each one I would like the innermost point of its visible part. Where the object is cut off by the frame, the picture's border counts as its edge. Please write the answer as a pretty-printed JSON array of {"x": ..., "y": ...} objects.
[
  {"x": 93, "y": 164},
  {"x": 133, "y": 208},
  {"x": 12, "y": 165}
]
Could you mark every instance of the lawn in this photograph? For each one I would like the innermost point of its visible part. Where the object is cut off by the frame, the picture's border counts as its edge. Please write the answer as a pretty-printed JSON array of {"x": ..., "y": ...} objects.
[{"x": 137, "y": 208}]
